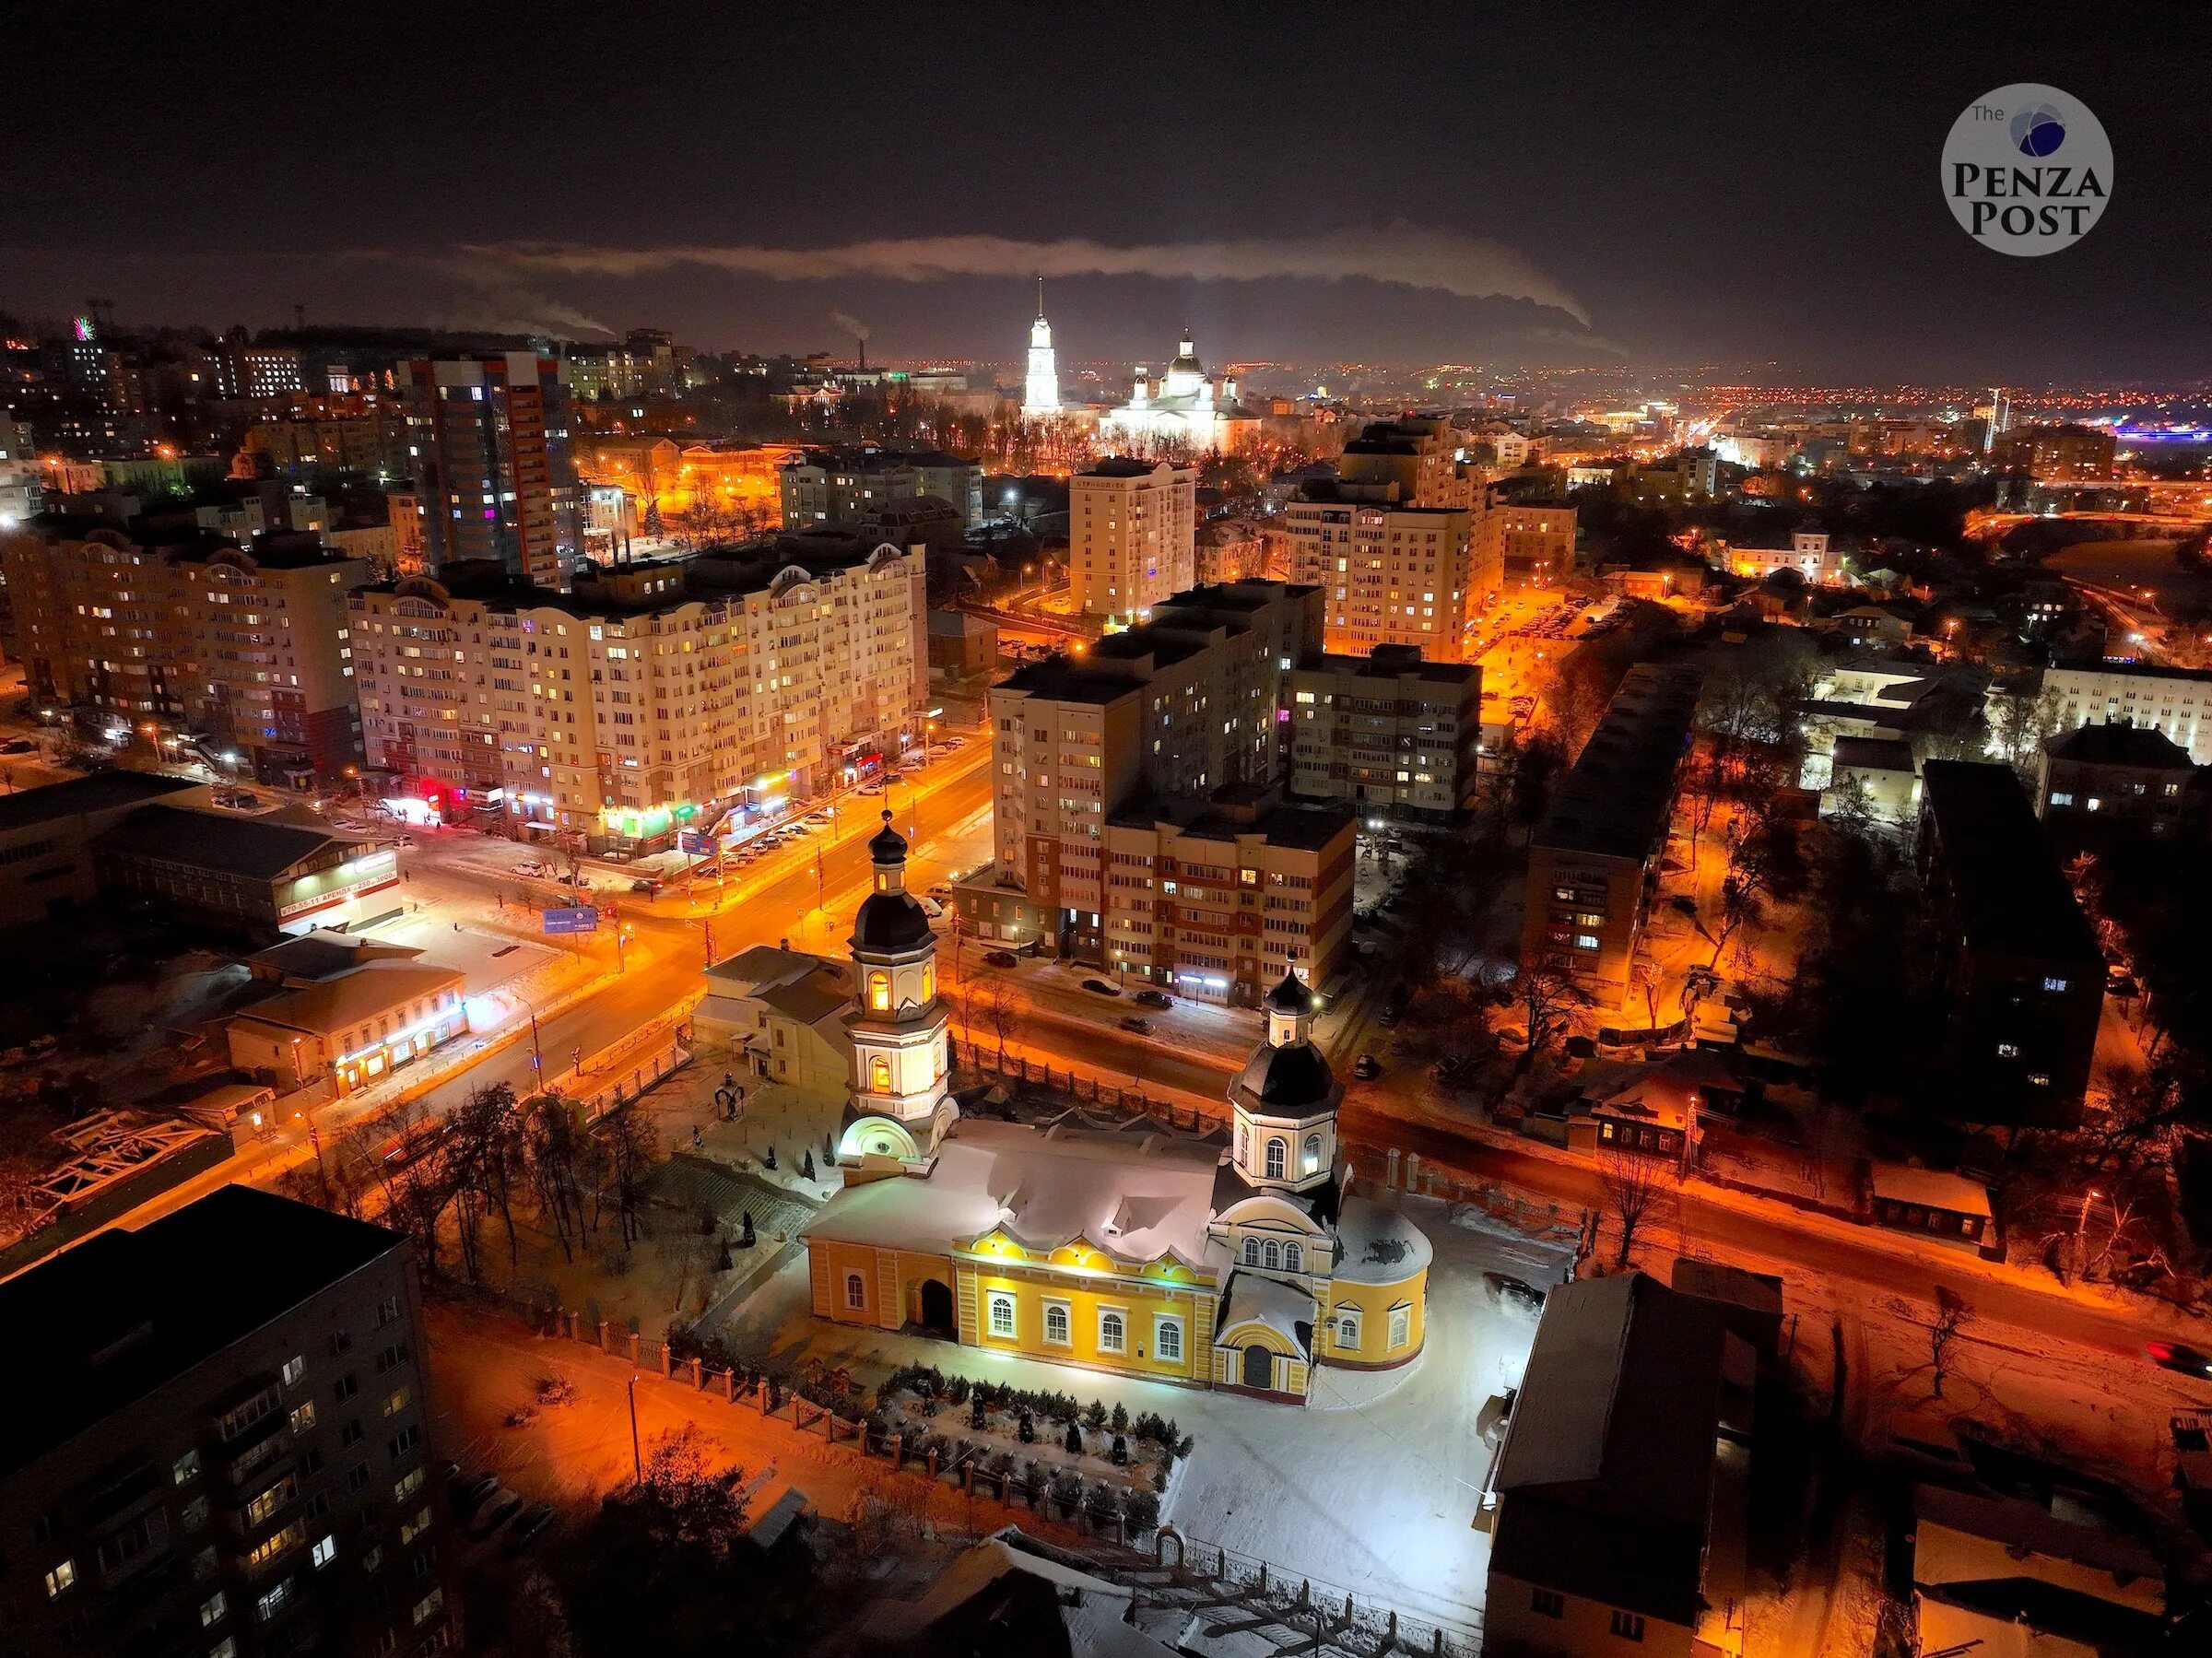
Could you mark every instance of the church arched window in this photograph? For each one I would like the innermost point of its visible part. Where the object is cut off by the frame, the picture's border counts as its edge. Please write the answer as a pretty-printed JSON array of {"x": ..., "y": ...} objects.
[
  {"x": 880, "y": 992},
  {"x": 1275, "y": 1157},
  {"x": 1274, "y": 1255},
  {"x": 1311, "y": 1163},
  {"x": 879, "y": 1075},
  {"x": 1251, "y": 1252},
  {"x": 1240, "y": 1142},
  {"x": 856, "y": 1292},
  {"x": 1294, "y": 1258},
  {"x": 929, "y": 980}
]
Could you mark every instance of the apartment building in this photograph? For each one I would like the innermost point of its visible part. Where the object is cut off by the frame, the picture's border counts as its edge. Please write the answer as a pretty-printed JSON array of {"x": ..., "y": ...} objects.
[
  {"x": 2021, "y": 970},
  {"x": 1394, "y": 575},
  {"x": 1421, "y": 454},
  {"x": 2176, "y": 701},
  {"x": 1131, "y": 532},
  {"x": 1528, "y": 545},
  {"x": 652, "y": 692},
  {"x": 2055, "y": 454},
  {"x": 1175, "y": 709},
  {"x": 220, "y": 646},
  {"x": 220, "y": 1450},
  {"x": 1808, "y": 555},
  {"x": 487, "y": 439},
  {"x": 1594, "y": 860},
  {"x": 837, "y": 487},
  {"x": 1389, "y": 735}
]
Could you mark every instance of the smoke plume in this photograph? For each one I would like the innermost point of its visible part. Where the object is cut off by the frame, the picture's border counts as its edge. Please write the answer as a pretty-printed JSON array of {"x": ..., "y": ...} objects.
[{"x": 852, "y": 325}]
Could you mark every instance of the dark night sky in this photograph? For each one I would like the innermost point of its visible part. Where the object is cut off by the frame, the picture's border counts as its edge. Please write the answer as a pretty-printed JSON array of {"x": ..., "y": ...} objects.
[{"x": 1714, "y": 185}]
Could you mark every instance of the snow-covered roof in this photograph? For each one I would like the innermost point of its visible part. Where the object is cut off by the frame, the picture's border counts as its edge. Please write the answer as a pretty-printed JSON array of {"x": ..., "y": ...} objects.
[
  {"x": 1282, "y": 1308},
  {"x": 1135, "y": 1199},
  {"x": 1930, "y": 1188},
  {"x": 1379, "y": 1246}
]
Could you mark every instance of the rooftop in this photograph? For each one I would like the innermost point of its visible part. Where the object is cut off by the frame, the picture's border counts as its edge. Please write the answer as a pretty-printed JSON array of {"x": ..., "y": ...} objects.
[
  {"x": 2006, "y": 884},
  {"x": 2117, "y": 742},
  {"x": 1393, "y": 661},
  {"x": 1616, "y": 800},
  {"x": 332, "y": 1006},
  {"x": 81, "y": 796},
  {"x": 1873, "y": 754},
  {"x": 127, "y": 1313},
  {"x": 252, "y": 847}
]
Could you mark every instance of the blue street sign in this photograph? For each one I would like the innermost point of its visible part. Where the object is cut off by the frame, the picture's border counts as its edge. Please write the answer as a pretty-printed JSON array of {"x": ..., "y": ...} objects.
[{"x": 578, "y": 918}]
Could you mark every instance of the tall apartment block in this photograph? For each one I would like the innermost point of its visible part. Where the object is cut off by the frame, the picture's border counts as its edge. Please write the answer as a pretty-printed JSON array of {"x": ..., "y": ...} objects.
[
  {"x": 1528, "y": 545},
  {"x": 219, "y": 1450},
  {"x": 488, "y": 440},
  {"x": 1391, "y": 736},
  {"x": 2021, "y": 969},
  {"x": 651, "y": 692},
  {"x": 1104, "y": 764},
  {"x": 1394, "y": 575},
  {"x": 1594, "y": 860},
  {"x": 1131, "y": 530},
  {"x": 222, "y": 646}
]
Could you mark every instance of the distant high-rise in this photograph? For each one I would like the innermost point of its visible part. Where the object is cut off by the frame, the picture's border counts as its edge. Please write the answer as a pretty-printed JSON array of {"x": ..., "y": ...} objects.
[
  {"x": 488, "y": 439},
  {"x": 1041, "y": 395},
  {"x": 2000, "y": 417}
]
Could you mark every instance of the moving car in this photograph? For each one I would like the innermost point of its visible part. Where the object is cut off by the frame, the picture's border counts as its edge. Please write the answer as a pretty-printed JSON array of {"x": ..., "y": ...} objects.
[
  {"x": 530, "y": 866},
  {"x": 1367, "y": 1067},
  {"x": 2179, "y": 1355},
  {"x": 1153, "y": 998},
  {"x": 1099, "y": 987},
  {"x": 1506, "y": 1289},
  {"x": 645, "y": 884},
  {"x": 1136, "y": 1025},
  {"x": 1000, "y": 959},
  {"x": 18, "y": 746}
]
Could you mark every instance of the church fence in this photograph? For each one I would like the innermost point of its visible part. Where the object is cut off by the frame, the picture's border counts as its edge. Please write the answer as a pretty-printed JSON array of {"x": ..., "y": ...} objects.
[{"x": 1088, "y": 1086}]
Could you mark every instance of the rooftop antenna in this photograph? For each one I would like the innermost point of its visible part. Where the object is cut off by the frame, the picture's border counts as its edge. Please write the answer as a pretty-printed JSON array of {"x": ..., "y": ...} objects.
[{"x": 1040, "y": 296}]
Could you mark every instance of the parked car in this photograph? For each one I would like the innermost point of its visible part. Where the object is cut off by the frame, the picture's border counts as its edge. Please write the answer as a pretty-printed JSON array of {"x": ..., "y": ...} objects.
[
  {"x": 1136, "y": 1025},
  {"x": 530, "y": 866},
  {"x": 941, "y": 892},
  {"x": 18, "y": 746},
  {"x": 930, "y": 907},
  {"x": 2179, "y": 1355},
  {"x": 469, "y": 1495},
  {"x": 1100, "y": 987},
  {"x": 645, "y": 884},
  {"x": 1367, "y": 1067},
  {"x": 580, "y": 881},
  {"x": 1000, "y": 959},
  {"x": 497, "y": 1508},
  {"x": 1506, "y": 1290},
  {"x": 531, "y": 1521},
  {"x": 1153, "y": 998}
]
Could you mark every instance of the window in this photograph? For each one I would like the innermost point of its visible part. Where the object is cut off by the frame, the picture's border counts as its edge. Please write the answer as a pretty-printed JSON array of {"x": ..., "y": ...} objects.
[
  {"x": 340, "y": 1342},
  {"x": 1273, "y": 1256},
  {"x": 2055, "y": 986},
  {"x": 1002, "y": 1313},
  {"x": 408, "y": 1485},
  {"x": 1348, "y": 1327},
  {"x": 411, "y": 1529},
  {"x": 324, "y": 1552},
  {"x": 2009, "y": 1050},
  {"x": 1276, "y": 1159},
  {"x": 225, "y": 1648},
  {"x": 2059, "y": 798},
  {"x": 304, "y": 1416},
  {"x": 186, "y": 1468},
  {"x": 294, "y": 1368},
  {"x": 880, "y": 992},
  {"x": 395, "y": 1401},
  {"x": 856, "y": 1291},
  {"x": 387, "y": 1309},
  {"x": 1401, "y": 1326},
  {"x": 60, "y": 1578},
  {"x": 1167, "y": 1339},
  {"x": 1251, "y": 1252},
  {"x": 879, "y": 1075},
  {"x": 346, "y": 1387},
  {"x": 195, "y": 1514},
  {"x": 270, "y": 1500},
  {"x": 427, "y": 1609},
  {"x": 405, "y": 1439},
  {"x": 213, "y": 1609},
  {"x": 1628, "y": 1626},
  {"x": 1310, "y": 1162},
  {"x": 1548, "y": 1603},
  {"x": 1112, "y": 1330},
  {"x": 1294, "y": 1258}
]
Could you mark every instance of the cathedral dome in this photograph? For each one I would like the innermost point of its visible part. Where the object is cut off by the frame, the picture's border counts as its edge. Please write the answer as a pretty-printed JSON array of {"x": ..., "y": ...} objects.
[
  {"x": 890, "y": 922},
  {"x": 1290, "y": 1081}
]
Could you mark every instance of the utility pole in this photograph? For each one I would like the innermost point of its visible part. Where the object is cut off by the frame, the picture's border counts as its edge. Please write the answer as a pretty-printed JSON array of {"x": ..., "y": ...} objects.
[{"x": 637, "y": 1462}]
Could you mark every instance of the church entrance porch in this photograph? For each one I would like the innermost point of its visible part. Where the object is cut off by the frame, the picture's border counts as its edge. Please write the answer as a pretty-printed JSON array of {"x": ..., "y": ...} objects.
[{"x": 1258, "y": 1367}]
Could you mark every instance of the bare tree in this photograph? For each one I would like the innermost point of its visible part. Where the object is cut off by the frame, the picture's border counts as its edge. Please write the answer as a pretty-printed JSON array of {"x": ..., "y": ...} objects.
[
  {"x": 633, "y": 1149},
  {"x": 1953, "y": 1312},
  {"x": 1546, "y": 998},
  {"x": 1002, "y": 1009},
  {"x": 1630, "y": 1184},
  {"x": 2020, "y": 722}
]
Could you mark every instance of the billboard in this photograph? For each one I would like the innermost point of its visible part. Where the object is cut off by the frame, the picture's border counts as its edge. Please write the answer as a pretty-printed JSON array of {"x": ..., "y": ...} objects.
[{"x": 575, "y": 918}]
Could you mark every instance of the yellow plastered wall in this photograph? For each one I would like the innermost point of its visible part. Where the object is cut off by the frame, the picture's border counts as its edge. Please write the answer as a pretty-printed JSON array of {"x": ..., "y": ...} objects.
[
  {"x": 1088, "y": 1283},
  {"x": 1375, "y": 1302},
  {"x": 888, "y": 1278}
]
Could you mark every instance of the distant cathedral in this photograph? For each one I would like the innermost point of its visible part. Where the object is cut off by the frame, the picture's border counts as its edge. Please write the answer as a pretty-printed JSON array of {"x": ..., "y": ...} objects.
[
  {"x": 1041, "y": 395},
  {"x": 1185, "y": 406}
]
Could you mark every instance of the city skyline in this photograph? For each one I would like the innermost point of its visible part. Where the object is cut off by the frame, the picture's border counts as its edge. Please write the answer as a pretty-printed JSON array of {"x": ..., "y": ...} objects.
[{"x": 1535, "y": 201}]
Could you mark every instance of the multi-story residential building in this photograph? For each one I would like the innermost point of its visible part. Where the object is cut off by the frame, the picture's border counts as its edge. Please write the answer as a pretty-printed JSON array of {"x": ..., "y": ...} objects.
[
  {"x": 1177, "y": 708},
  {"x": 487, "y": 439},
  {"x": 219, "y": 646},
  {"x": 2177, "y": 701},
  {"x": 1394, "y": 575},
  {"x": 245, "y": 370},
  {"x": 839, "y": 486},
  {"x": 222, "y": 1460},
  {"x": 2020, "y": 968},
  {"x": 2077, "y": 454},
  {"x": 1527, "y": 544},
  {"x": 2118, "y": 771},
  {"x": 1131, "y": 533},
  {"x": 22, "y": 496},
  {"x": 1227, "y": 550},
  {"x": 1389, "y": 735},
  {"x": 1421, "y": 454},
  {"x": 1594, "y": 860},
  {"x": 652, "y": 691},
  {"x": 376, "y": 443}
]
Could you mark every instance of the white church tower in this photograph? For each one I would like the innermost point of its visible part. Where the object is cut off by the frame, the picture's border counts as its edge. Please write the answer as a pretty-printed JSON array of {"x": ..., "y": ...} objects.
[
  {"x": 1041, "y": 395},
  {"x": 901, "y": 1071}
]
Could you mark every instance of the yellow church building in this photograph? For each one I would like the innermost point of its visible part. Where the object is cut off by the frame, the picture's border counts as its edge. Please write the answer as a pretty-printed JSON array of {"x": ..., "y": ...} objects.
[{"x": 1132, "y": 1251}]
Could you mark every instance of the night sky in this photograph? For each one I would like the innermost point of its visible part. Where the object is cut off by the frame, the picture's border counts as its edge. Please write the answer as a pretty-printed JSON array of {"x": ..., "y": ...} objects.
[{"x": 1708, "y": 187}]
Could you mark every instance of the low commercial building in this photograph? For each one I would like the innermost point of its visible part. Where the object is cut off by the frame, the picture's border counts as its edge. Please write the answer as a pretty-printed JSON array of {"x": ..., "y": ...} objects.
[
  {"x": 351, "y": 1029},
  {"x": 222, "y": 1446},
  {"x": 46, "y": 835},
  {"x": 1594, "y": 860},
  {"x": 250, "y": 872},
  {"x": 1617, "y": 1505},
  {"x": 2131, "y": 773},
  {"x": 1389, "y": 735},
  {"x": 2020, "y": 966}
]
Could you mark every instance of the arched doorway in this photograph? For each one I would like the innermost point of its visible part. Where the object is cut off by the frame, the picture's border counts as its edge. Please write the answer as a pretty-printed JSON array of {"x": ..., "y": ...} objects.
[
  {"x": 1259, "y": 1367},
  {"x": 937, "y": 1307}
]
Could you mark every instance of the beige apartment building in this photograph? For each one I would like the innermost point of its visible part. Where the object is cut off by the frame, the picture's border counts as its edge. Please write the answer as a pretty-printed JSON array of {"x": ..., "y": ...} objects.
[
  {"x": 1389, "y": 735},
  {"x": 222, "y": 647},
  {"x": 1528, "y": 545},
  {"x": 1131, "y": 530},
  {"x": 652, "y": 696},
  {"x": 1394, "y": 575}
]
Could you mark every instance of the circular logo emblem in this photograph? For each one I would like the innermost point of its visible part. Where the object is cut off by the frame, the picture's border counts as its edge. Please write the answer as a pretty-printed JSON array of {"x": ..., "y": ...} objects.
[{"x": 2026, "y": 169}]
